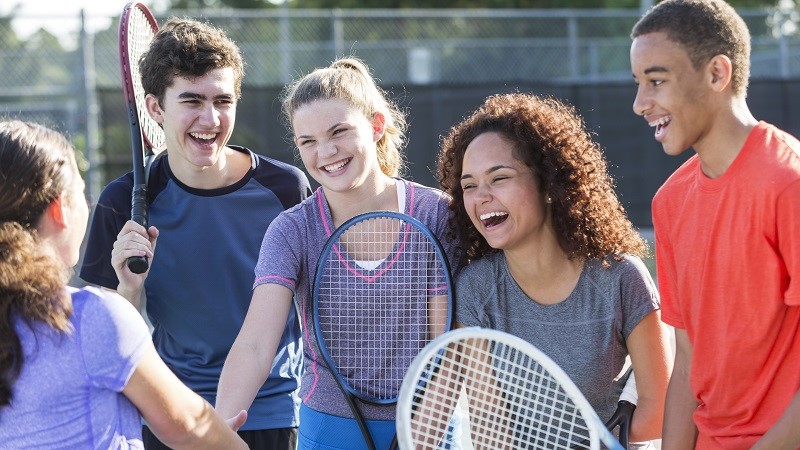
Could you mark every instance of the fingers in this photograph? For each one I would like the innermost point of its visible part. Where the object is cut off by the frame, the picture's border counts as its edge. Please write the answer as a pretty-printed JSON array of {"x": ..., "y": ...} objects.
[
  {"x": 133, "y": 240},
  {"x": 237, "y": 421}
]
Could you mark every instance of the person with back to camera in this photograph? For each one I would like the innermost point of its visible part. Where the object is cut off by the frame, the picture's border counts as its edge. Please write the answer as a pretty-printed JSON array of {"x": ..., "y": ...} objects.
[
  {"x": 349, "y": 136},
  {"x": 727, "y": 226},
  {"x": 210, "y": 203},
  {"x": 75, "y": 364},
  {"x": 552, "y": 256}
]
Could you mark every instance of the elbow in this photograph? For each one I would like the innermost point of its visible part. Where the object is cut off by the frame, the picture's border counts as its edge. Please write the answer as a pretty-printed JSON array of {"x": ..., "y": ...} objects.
[{"x": 184, "y": 431}]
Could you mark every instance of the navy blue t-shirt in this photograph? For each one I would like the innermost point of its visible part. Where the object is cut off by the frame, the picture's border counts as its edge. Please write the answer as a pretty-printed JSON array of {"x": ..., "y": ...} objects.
[{"x": 200, "y": 282}]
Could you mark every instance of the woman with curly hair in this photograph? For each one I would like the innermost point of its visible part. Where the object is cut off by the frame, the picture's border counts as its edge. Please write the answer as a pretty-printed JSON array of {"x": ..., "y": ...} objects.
[
  {"x": 77, "y": 366},
  {"x": 553, "y": 258}
]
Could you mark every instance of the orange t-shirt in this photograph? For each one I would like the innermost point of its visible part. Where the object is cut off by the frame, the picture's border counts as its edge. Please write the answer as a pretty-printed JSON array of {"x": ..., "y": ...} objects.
[{"x": 728, "y": 261}]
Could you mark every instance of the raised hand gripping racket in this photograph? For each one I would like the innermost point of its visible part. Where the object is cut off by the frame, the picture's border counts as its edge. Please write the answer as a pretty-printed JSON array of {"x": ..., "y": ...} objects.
[
  {"x": 515, "y": 396},
  {"x": 382, "y": 291},
  {"x": 137, "y": 26}
]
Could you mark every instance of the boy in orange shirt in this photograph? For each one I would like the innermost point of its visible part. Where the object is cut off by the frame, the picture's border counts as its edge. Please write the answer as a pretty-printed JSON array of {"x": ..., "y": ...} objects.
[{"x": 727, "y": 226}]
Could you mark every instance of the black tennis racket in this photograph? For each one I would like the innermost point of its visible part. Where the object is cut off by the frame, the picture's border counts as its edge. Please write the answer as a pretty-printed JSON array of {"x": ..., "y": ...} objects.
[
  {"x": 514, "y": 397},
  {"x": 137, "y": 26},
  {"x": 382, "y": 291}
]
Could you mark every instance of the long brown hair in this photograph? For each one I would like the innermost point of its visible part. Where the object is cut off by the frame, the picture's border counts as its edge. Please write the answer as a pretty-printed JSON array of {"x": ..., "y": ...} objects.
[{"x": 36, "y": 166}]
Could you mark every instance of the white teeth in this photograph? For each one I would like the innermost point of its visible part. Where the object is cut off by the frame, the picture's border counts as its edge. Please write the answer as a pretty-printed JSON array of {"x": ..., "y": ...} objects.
[
  {"x": 203, "y": 135},
  {"x": 662, "y": 121},
  {"x": 335, "y": 167},
  {"x": 493, "y": 214}
]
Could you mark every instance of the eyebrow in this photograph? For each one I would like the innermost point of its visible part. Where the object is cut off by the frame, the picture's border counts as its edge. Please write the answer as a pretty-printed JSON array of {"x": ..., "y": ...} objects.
[
  {"x": 336, "y": 125},
  {"x": 490, "y": 170},
  {"x": 193, "y": 95},
  {"x": 658, "y": 69}
]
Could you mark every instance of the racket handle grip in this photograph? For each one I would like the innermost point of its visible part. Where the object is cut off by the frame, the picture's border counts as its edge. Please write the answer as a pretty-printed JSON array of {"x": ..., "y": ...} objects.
[
  {"x": 139, "y": 264},
  {"x": 629, "y": 392}
]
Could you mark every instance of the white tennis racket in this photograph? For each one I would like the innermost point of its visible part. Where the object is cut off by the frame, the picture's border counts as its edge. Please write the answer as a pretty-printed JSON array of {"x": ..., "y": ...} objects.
[{"x": 514, "y": 396}]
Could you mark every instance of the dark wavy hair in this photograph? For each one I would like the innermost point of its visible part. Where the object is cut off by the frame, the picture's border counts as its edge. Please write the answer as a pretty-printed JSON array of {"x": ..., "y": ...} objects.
[
  {"x": 35, "y": 167},
  {"x": 550, "y": 138}
]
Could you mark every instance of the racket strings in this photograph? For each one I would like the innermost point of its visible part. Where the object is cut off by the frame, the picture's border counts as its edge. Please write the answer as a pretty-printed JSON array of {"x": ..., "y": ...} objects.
[
  {"x": 140, "y": 33},
  {"x": 379, "y": 301},
  {"x": 509, "y": 400}
]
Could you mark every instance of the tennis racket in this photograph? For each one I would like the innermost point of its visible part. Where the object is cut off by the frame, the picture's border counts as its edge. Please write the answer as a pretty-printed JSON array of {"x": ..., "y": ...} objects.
[
  {"x": 137, "y": 26},
  {"x": 382, "y": 291},
  {"x": 515, "y": 396}
]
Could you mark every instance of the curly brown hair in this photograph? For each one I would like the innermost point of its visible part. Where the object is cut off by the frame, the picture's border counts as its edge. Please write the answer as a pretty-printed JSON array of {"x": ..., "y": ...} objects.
[{"x": 569, "y": 166}]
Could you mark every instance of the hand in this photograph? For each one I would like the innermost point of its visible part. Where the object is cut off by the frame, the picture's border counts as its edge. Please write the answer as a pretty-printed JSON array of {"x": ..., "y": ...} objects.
[
  {"x": 132, "y": 240},
  {"x": 237, "y": 421}
]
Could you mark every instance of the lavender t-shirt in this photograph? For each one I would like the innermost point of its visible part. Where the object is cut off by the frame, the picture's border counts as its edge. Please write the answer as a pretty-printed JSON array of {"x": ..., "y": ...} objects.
[
  {"x": 68, "y": 395},
  {"x": 292, "y": 245}
]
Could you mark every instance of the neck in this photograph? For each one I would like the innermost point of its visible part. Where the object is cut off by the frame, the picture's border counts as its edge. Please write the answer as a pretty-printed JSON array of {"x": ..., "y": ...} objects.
[
  {"x": 543, "y": 271},
  {"x": 377, "y": 195},
  {"x": 229, "y": 168},
  {"x": 721, "y": 145}
]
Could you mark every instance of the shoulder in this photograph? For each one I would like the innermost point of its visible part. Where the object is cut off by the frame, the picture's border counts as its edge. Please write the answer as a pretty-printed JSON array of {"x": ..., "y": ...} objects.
[
  {"x": 97, "y": 304},
  {"x": 118, "y": 190},
  {"x": 299, "y": 215},
  {"x": 782, "y": 156},
  {"x": 266, "y": 165},
  {"x": 426, "y": 203},
  {"x": 422, "y": 193},
  {"x": 628, "y": 265}
]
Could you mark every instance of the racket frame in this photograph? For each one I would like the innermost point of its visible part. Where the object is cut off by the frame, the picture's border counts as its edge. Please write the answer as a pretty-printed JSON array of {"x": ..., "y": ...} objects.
[
  {"x": 138, "y": 118},
  {"x": 418, "y": 375}
]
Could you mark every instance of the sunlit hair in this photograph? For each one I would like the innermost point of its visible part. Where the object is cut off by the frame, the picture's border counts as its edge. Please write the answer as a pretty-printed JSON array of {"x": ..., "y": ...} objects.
[
  {"x": 36, "y": 166},
  {"x": 190, "y": 49},
  {"x": 551, "y": 139},
  {"x": 705, "y": 29},
  {"x": 349, "y": 79}
]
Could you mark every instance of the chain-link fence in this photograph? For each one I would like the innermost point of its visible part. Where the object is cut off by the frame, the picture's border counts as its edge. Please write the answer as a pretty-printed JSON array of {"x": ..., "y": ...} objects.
[{"x": 74, "y": 86}]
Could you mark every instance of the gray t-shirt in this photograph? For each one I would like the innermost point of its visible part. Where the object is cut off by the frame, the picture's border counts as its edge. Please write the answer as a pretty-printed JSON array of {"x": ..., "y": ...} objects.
[{"x": 585, "y": 334}]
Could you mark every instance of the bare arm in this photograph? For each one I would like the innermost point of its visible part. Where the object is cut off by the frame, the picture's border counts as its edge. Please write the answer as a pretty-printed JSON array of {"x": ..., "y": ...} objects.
[
  {"x": 132, "y": 240},
  {"x": 785, "y": 434},
  {"x": 250, "y": 359},
  {"x": 649, "y": 348},
  {"x": 176, "y": 415},
  {"x": 680, "y": 431}
]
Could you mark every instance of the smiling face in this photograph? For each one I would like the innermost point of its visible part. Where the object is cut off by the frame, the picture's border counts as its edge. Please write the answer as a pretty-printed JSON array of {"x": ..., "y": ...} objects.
[
  {"x": 501, "y": 195},
  {"x": 672, "y": 96},
  {"x": 198, "y": 116},
  {"x": 337, "y": 143}
]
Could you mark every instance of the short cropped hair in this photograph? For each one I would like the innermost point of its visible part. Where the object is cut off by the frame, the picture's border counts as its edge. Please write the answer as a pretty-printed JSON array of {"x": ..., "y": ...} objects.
[{"x": 705, "y": 29}]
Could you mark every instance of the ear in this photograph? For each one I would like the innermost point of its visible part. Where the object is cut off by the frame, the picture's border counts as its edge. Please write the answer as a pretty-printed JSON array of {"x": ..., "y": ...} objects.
[
  {"x": 55, "y": 212},
  {"x": 153, "y": 108},
  {"x": 720, "y": 71},
  {"x": 378, "y": 126}
]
